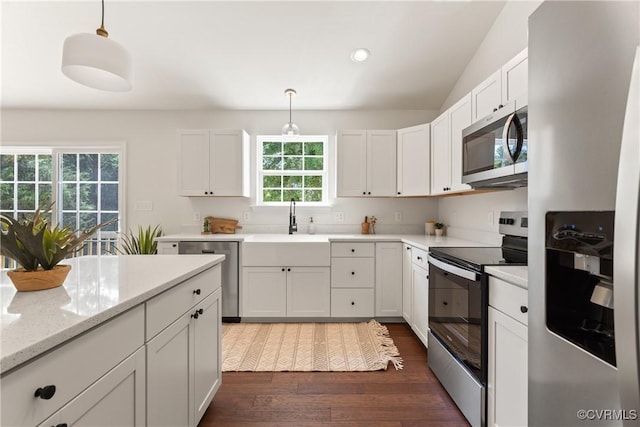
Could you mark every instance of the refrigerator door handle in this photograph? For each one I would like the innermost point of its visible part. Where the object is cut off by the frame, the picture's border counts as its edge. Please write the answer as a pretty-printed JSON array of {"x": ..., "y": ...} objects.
[{"x": 626, "y": 256}]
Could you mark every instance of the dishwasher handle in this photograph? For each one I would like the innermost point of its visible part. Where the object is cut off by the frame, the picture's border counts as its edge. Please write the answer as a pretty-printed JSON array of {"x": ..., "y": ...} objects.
[{"x": 208, "y": 251}]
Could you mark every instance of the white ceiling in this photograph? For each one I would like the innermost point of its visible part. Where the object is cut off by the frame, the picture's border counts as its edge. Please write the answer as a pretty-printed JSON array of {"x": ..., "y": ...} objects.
[{"x": 243, "y": 55}]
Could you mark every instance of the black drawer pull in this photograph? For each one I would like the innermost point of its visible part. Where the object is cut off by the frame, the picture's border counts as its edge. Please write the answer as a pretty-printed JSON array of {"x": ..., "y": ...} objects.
[
  {"x": 445, "y": 303},
  {"x": 353, "y": 250},
  {"x": 523, "y": 309},
  {"x": 45, "y": 392},
  {"x": 353, "y": 273},
  {"x": 197, "y": 313},
  {"x": 62, "y": 425},
  {"x": 419, "y": 258},
  {"x": 353, "y": 303},
  {"x": 197, "y": 292}
]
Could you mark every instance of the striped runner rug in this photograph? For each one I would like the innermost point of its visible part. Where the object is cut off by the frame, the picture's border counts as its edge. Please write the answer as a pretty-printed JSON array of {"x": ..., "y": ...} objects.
[{"x": 304, "y": 347}]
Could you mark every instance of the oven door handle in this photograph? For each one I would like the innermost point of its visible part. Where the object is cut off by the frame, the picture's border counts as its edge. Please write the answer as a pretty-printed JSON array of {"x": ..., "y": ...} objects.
[{"x": 470, "y": 275}]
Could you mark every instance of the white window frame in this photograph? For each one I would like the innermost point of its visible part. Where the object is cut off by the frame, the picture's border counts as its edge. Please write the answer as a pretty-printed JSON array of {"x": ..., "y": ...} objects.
[
  {"x": 58, "y": 148},
  {"x": 260, "y": 173}
]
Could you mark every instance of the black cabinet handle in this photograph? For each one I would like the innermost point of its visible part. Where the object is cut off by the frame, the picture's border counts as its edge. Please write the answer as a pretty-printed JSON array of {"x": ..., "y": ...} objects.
[
  {"x": 283, "y": 269},
  {"x": 408, "y": 248},
  {"x": 419, "y": 258},
  {"x": 495, "y": 109},
  {"x": 45, "y": 392},
  {"x": 369, "y": 192},
  {"x": 353, "y": 303},
  {"x": 353, "y": 250},
  {"x": 445, "y": 303},
  {"x": 174, "y": 245},
  {"x": 427, "y": 277},
  {"x": 398, "y": 193},
  {"x": 353, "y": 273},
  {"x": 500, "y": 106},
  {"x": 523, "y": 308},
  {"x": 197, "y": 292},
  {"x": 364, "y": 193},
  {"x": 197, "y": 313},
  {"x": 61, "y": 425},
  {"x": 288, "y": 269}
]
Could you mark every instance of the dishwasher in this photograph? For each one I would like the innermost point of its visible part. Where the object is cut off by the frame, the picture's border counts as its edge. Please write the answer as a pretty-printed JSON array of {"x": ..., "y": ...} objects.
[{"x": 230, "y": 272}]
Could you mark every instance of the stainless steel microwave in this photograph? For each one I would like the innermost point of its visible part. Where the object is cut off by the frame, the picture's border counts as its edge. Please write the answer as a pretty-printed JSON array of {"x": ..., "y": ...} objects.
[{"x": 494, "y": 149}]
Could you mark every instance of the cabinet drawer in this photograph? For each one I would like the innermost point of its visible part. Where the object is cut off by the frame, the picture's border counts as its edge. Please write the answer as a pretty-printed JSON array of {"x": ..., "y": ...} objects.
[
  {"x": 357, "y": 250},
  {"x": 352, "y": 303},
  {"x": 420, "y": 257},
  {"x": 510, "y": 299},
  {"x": 352, "y": 272},
  {"x": 168, "y": 306},
  {"x": 71, "y": 368}
]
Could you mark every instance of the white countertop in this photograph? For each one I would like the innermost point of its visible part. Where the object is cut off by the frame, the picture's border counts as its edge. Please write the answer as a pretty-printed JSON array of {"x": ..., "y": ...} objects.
[
  {"x": 418, "y": 240},
  {"x": 516, "y": 274},
  {"x": 97, "y": 289}
]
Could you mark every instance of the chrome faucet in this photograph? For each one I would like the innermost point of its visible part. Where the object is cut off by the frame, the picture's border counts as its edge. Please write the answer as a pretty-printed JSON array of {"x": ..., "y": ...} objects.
[{"x": 292, "y": 217}]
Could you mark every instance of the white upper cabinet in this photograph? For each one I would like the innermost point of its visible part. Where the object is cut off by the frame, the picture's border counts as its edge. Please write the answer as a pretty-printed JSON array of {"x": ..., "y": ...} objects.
[
  {"x": 366, "y": 163},
  {"x": 414, "y": 161},
  {"x": 440, "y": 155},
  {"x": 515, "y": 78},
  {"x": 459, "y": 118},
  {"x": 213, "y": 163},
  {"x": 487, "y": 96},
  {"x": 505, "y": 85}
]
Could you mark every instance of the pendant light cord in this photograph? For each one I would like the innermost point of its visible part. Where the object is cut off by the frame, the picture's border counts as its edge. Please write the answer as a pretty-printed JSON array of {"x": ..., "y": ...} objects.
[
  {"x": 102, "y": 22},
  {"x": 290, "y": 95}
]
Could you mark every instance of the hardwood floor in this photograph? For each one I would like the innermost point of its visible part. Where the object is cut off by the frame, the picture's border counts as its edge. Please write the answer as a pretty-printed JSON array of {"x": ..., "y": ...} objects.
[{"x": 410, "y": 397}]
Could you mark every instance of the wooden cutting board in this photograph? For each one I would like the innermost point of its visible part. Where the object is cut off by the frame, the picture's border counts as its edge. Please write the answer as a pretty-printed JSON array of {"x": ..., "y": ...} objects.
[{"x": 222, "y": 225}]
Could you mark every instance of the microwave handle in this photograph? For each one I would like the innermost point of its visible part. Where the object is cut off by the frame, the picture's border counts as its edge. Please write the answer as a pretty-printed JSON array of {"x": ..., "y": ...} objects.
[{"x": 513, "y": 120}]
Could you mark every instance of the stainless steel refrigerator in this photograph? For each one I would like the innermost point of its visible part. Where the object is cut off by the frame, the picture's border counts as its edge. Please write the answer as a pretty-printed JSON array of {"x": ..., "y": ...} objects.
[{"x": 583, "y": 216}]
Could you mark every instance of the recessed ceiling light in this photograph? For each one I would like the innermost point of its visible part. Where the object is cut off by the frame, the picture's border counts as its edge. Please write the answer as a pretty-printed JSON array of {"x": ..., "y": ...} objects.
[{"x": 360, "y": 54}]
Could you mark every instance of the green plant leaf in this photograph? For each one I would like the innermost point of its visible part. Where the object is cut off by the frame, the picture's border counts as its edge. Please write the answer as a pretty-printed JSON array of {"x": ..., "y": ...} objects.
[{"x": 142, "y": 243}]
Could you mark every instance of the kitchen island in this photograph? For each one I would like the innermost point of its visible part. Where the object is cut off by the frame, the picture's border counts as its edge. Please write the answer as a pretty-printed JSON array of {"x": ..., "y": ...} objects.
[{"x": 97, "y": 344}]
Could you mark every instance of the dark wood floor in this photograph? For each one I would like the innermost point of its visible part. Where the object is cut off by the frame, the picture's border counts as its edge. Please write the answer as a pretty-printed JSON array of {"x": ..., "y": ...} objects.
[{"x": 408, "y": 397}]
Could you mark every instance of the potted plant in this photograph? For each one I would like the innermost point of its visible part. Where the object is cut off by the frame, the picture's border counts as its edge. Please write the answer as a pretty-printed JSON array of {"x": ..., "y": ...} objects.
[
  {"x": 439, "y": 228},
  {"x": 38, "y": 248},
  {"x": 143, "y": 243}
]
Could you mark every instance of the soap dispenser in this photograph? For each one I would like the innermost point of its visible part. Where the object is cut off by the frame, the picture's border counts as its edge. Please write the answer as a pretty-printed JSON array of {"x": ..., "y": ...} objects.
[{"x": 312, "y": 226}]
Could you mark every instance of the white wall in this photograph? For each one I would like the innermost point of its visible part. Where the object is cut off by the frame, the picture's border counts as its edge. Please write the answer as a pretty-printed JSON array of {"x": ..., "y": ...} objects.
[
  {"x": 506, "y": 38},
  {"x": 468, "y": 216},
  {"x": 151, "y": 163}
]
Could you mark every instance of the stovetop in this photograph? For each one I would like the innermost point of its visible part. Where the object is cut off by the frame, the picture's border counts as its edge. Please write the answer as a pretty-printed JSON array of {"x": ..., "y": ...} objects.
[{"x": 476, "y": 258}]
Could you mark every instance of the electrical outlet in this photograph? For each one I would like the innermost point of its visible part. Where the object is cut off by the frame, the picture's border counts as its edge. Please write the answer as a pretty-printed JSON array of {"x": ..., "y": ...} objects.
[
  {"x": 398, "y": 216},
  {"x": 339, "y": 216},
  {"x": 246, "y": 216},
  {"x": 490, "y": 218},
  {"x": 196, "y": 216}
]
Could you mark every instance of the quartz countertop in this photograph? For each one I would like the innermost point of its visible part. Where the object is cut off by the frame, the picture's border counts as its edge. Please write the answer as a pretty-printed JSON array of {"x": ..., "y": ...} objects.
[
  {"x": 97, "y": 289},
  {"x": 516, "y": 274},
  {"x": 419, "y": 240}
]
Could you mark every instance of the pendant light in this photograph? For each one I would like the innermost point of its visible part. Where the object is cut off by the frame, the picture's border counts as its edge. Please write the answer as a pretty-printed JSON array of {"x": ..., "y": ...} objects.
[
  {"x": 96, "y": 61},
  {"x": 290, "y": 129}
]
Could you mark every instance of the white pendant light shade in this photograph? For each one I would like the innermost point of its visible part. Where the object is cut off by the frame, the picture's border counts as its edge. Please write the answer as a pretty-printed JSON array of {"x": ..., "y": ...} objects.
[{"x": 97, "y": 62}]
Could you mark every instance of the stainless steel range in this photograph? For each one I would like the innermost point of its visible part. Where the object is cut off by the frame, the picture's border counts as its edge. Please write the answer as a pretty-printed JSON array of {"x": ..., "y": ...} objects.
[{"x": 458, "y": 309}]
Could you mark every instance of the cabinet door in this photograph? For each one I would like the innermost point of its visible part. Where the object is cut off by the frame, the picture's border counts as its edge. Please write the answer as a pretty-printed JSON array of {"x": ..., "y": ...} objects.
[
  {"x": 264, "y": 292},
  {"x": 407, "y": 290},
  {"x": 381, "y": 163},
  {"x": 440, "y": 155},
  {"x": 167, "y": 248},
  {"x": 352, "y": 163},
  {"x": 414, "y": 161},
  {"x": 507, "y": 375},
  {"x": 207, "y": 353},
  {"x": 194, "y": 162},
  {"x": 169, "y": 375},
  {"x": 515, "y": 78},
  {"x": 116, "y": 399},
  {"x": 487, "y": 96},
  {"x": 227, "y": 163},
  {"x": 308, "y": 292},
  {"x": 420, "y": 283},
  {"x": 459, "y": 119},
  {"x": 389, "y": 279}
]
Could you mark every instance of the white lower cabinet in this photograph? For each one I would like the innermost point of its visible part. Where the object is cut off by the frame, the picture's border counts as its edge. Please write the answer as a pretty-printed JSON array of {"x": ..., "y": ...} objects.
[
  {"x": 116, "y": 399},
  {"x": 286, "y": 292},
  {"x": 420, "y": 285},
  {"x": 353, "y": 277},
  {"x": 352, "y": 302},
  {"x": 407, "y": 289},
  {"x": 389, "y": 279},
  {"x": 183, "y": 366},
  {"x": 508, "y": 355}
]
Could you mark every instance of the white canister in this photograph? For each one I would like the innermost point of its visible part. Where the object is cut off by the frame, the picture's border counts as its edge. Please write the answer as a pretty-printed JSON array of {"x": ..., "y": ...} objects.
[{"x": 430, "y": 228}]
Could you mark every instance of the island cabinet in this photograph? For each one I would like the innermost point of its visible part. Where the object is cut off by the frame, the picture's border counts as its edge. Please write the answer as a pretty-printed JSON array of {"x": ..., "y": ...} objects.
[
  {"x": 183, "y": 335},
  {"x": 213, "y": 162},
  {"x": 97, "y": 378},
  {"x": 366, "y": 163},
  {"x": 507, "y": 354}
]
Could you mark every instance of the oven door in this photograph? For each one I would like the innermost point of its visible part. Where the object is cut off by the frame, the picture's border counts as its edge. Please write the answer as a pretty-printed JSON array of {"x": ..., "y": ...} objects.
[{"x": 458, "y": 307}]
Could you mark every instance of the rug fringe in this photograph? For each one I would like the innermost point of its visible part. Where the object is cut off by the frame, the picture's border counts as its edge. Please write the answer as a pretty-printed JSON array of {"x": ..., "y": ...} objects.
[{"x": 387, "y": 348}]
